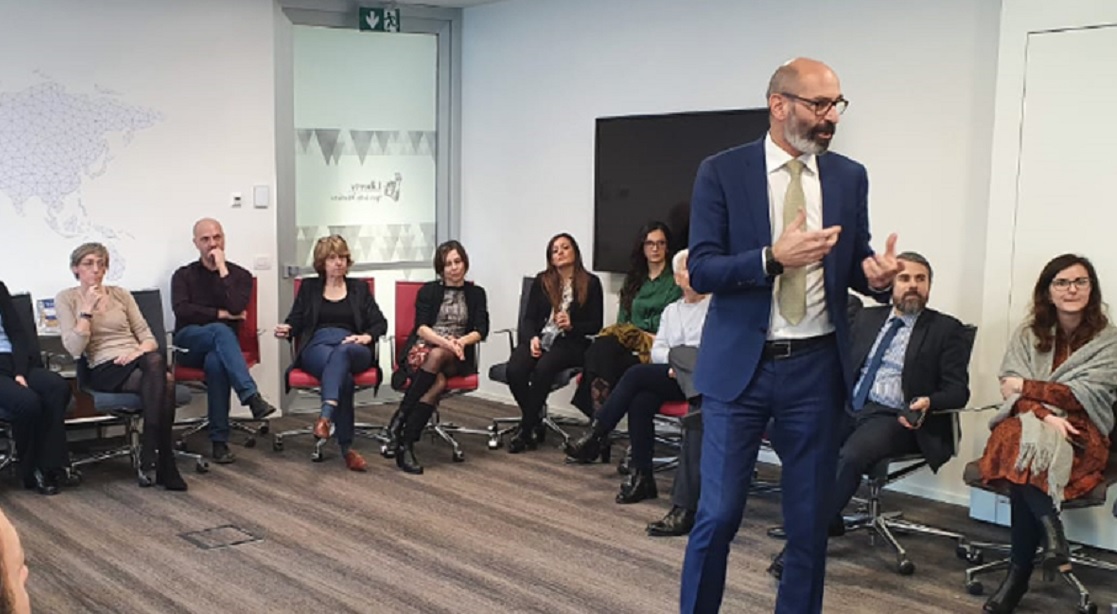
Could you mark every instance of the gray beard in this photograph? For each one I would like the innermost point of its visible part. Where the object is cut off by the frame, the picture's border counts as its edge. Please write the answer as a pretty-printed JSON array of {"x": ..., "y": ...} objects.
[{"x": 803, "y": 143}]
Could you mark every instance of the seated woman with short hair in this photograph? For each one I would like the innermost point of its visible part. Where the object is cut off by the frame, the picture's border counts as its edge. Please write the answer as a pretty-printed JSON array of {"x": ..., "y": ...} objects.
[
  {"x": 644, "y": 388},
  {"x": 338, "y": 320},
  {"x": 648, "y": 288},
  {"x": 34, "y": 401},
  {"x": 104, "y": 324},
  {"x": 451, "y": 316},
  {"x": 1050, "y": 440},
  {"x": 564, "y": 306}
]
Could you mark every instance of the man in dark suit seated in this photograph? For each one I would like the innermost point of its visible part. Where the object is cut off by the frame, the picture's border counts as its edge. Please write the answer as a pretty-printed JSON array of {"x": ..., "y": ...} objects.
[{"x": 906, "y": 357}]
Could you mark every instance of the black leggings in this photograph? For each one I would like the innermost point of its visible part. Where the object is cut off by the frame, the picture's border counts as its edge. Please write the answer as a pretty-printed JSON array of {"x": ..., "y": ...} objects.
[
  {"x": 530, "y": 378},
  {"x": 149, "y": 378},
  {"x": 1029, "y": 504}
]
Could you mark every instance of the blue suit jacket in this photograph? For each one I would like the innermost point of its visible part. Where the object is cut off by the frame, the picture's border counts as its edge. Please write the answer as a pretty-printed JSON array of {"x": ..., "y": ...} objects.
[{"x": 729, "y": 229}]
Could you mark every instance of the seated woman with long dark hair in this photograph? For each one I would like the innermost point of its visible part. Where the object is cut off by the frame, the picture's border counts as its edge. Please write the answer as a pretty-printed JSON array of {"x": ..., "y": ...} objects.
[
  {"x": 339, "y": 321},
  {"x": 104, "y": 324},
  {"x": 1050, "y": 440},
  {"x": 451, "y": 316},
  {"x": 564, "y": 306},
  {"x": 643, "y": 388},
  {"x": 34, "y": 401},
  {"x": 648, "y": 287}
]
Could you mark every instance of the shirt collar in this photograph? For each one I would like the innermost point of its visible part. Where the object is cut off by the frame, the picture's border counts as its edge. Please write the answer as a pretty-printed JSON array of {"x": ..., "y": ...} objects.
[
  {"x": 775, "y": 158},
  {"x": 908, "y": 319}
]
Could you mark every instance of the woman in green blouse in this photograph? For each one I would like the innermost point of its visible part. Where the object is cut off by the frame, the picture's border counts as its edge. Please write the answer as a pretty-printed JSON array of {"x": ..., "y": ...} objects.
[{"x": 648, "y": 287}]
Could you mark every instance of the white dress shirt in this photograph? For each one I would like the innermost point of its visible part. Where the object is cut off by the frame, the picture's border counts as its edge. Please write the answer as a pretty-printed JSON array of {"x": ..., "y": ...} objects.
[
  {"x": 681, "y": 324},
  {"x": 817, "y": 321}
]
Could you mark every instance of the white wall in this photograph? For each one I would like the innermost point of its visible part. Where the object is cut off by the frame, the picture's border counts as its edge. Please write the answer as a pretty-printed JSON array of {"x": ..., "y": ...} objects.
[
  {"x": 536, "y": 74},
  {"x": 201, "y": 74}
]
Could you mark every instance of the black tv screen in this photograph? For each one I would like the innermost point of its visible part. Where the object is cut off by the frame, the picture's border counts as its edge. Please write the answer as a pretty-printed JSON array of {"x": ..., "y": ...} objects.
[{"x": 644, "y": 170}]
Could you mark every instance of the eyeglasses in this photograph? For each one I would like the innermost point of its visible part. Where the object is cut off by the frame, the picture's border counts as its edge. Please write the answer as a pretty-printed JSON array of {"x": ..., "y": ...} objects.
[
  {"x": 1063, "y": 285},
  {"x": 90, "y": 263},
  {"x": 820, "y": 106},
  {"x": 655, "y": 244}
]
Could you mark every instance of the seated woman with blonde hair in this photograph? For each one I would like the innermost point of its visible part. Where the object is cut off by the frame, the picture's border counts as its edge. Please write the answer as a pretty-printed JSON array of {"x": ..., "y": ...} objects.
[
  {"x": 339, "y": 322},
  {"x": 1050, "y": 440},
  {"x": 104, "y": 324}
]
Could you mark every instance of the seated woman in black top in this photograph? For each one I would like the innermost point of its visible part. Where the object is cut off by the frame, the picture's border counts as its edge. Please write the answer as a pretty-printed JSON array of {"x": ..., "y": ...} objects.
[
  {"x": 451, "y": 315},
  {"x": 34, "y": 401},
  {"x": 564, "y": 306},
  {"x": 648, "y": 288},
  {"x": 340, "y": 318}
]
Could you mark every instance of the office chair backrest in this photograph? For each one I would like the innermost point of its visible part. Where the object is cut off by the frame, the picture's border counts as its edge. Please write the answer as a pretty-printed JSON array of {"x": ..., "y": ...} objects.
[
  {"x": 369, "y": 281},
  {"x": 525, "y": 293},
  {"x": 406, "y": 294},
  {"x": 969, "y": 337},
  {"x": 150, "y": 303},
  {"x": 26, "y": 312}
]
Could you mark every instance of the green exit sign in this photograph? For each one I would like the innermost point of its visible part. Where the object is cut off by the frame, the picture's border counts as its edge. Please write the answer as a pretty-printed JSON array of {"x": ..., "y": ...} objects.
[{"x": 378, "y": 20}]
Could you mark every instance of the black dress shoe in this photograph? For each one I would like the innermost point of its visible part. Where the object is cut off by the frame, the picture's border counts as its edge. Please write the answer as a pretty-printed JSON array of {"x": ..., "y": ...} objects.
[
  {"x": 589, "y": 447},
  {"x": 44, "y": 484},
  {"x": 260, "y": 408},
  {"x": 167, "y": 475},
  {"x": 221, "y": 453},
  {"x": 637, "y": 487},
  {"x": 522, "y": 441},
  {"x": 1010, "y": 591},
  {"x": 679, "y": 521},
  {"x": 776, "y": 568},
  {"x": 406, "y": 460}
]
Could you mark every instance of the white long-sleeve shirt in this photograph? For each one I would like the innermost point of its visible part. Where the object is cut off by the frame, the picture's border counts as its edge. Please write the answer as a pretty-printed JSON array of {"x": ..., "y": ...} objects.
[{"x": 680, "y": 324}]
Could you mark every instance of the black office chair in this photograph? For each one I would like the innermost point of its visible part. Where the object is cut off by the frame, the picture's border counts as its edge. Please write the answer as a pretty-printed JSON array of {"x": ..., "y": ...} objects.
[
  {"x": 886, "y": 524},
  {"x": 126, "y": 408},
  {"x": 1095, "y": 498},
  {"x": 499, "y": 373}
]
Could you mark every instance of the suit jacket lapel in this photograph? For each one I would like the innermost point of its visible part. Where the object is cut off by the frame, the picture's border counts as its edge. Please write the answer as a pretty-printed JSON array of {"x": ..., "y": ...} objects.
[
  {"x": 831, "y": 216},
  {"x": 756, "y": 189},
  {"x": 876, "y": 318}
]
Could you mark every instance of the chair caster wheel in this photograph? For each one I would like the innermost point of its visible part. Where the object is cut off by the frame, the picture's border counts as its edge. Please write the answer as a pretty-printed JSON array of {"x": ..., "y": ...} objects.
[
  {"x": 201, "y": 466},
  {"x": 387, "y": 452},
  {"x": 971, "y": 555},
  {"x": 458, "y": 456},
  {"x": 317, "y": 456},
  {"x": 277, "y": 444},
  {"x": 905, "y": 567},
  {"x": 250, "y": 442},
  {"x": 180, "y": 445},
  {"x": 1089, "y": 608},
  {"x": 494, "y": 443},
  {"x": 975, "y": 587},
  {"x": 264, "y": 428}
]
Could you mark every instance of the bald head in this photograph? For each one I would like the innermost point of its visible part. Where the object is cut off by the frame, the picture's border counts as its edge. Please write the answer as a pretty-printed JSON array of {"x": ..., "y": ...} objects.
[
  {"x": 804, "y": 106},
  {"x": 209, "y": 237}
]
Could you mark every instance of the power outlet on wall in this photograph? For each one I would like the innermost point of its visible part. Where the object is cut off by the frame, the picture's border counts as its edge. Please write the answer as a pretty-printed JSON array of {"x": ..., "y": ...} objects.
[{"x": 236, "y": 199}]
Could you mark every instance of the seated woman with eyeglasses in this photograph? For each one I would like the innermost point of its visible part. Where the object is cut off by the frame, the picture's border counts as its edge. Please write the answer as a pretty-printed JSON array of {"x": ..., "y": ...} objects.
[
  {"x": 648, "y": 287},
  {"x": 451, "y": 317},
  {"x": 104, "y": 324},
  {"x": 34, "y": 401},
  {"x": 1050, "y": 440},
  {"x": 644, "y": 388}
]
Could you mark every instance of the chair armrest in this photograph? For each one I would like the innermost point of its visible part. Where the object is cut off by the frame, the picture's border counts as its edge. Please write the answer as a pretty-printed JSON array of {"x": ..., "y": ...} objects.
[{"x": 511, "y": 332}]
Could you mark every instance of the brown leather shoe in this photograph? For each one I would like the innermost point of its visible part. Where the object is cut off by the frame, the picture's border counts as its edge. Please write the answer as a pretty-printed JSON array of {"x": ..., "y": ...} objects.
[
  {"x": 355, "y": 462},
  {"x": 322, "y": 428}
]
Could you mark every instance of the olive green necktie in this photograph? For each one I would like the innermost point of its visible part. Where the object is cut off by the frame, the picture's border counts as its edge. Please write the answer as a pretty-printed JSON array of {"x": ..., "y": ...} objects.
[{"x": 792, "y": 296}]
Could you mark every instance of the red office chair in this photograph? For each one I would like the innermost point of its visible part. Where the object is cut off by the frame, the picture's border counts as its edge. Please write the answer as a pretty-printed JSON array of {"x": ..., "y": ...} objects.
[
  {"x": 406, "y": 294},
  {"x": 248, "y": 335},
  {"x": 302, "y": 381}
]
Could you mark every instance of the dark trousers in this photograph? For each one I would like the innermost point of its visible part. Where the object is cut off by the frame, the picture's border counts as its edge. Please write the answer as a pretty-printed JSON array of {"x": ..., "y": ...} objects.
[
  {"x": 334, "y": 364},
  {"x": 688, "y": 476},
  {"x": 605, "y": 362},
  {"x": 1029, "y": 504},
  {"x": 530, "y": 379},
  {"x": 867, "y": 438},
  {"x": 639, "y": 393},
  {"x": 36, "y": 414},
  {"x": 215, "y": 349},
  {"x": 802, "y": 396}
]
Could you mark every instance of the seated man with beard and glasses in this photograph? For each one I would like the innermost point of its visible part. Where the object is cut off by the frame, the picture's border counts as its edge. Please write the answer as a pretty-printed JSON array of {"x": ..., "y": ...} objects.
[{"x": 905, "y": 356}]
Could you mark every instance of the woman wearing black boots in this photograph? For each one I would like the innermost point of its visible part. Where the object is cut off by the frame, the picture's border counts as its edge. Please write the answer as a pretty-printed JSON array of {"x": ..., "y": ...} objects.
[
  {"x": 451, "y": 316},
  {"x": 564, "y": 307},
  {"x": 104, "y": 324},
  {"x": 643, "y": 388},
  {"x": 1050, "y": 440}
]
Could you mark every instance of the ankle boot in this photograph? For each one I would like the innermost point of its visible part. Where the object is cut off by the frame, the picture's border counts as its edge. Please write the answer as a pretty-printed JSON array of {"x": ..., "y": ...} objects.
[
  {"x": 1056, "y": 556},
  {"x": 406, "y": 460},
  {"x": 166, "y": 468},
  {"x": 395, "y": 434},
  {"x": 1010, "y": 591},
  {"x": 637, "y": 487},
  {"x": 590, "y": 446},
  {"x": 522, "y": 441}
]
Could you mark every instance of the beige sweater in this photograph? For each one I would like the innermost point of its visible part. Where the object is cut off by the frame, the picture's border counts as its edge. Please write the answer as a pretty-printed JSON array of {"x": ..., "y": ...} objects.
[{"x": 117, "y": 328}]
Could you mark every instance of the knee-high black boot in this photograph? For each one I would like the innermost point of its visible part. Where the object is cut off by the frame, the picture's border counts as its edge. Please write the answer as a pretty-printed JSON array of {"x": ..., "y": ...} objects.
[
  {"x": 1010, "y": 591},
  {"x": 412, "y": 431},
  {"x": 421, "y": 382}
]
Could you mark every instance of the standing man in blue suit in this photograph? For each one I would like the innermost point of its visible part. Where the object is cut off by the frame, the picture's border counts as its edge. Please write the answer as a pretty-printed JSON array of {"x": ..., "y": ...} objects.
[{"x": 779, "y": 233}]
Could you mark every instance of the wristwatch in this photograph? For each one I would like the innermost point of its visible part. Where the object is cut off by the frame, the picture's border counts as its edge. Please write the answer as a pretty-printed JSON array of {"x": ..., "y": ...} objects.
[{"x": 772, "y": 267}]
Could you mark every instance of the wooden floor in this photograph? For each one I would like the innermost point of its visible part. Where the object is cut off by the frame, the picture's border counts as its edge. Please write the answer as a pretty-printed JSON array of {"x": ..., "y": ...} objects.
[{"x": 497, "y": 533}]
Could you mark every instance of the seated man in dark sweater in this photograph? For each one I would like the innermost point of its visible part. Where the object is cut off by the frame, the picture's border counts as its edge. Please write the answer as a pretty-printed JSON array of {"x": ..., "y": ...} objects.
[{"x": 209, "y": 297}]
